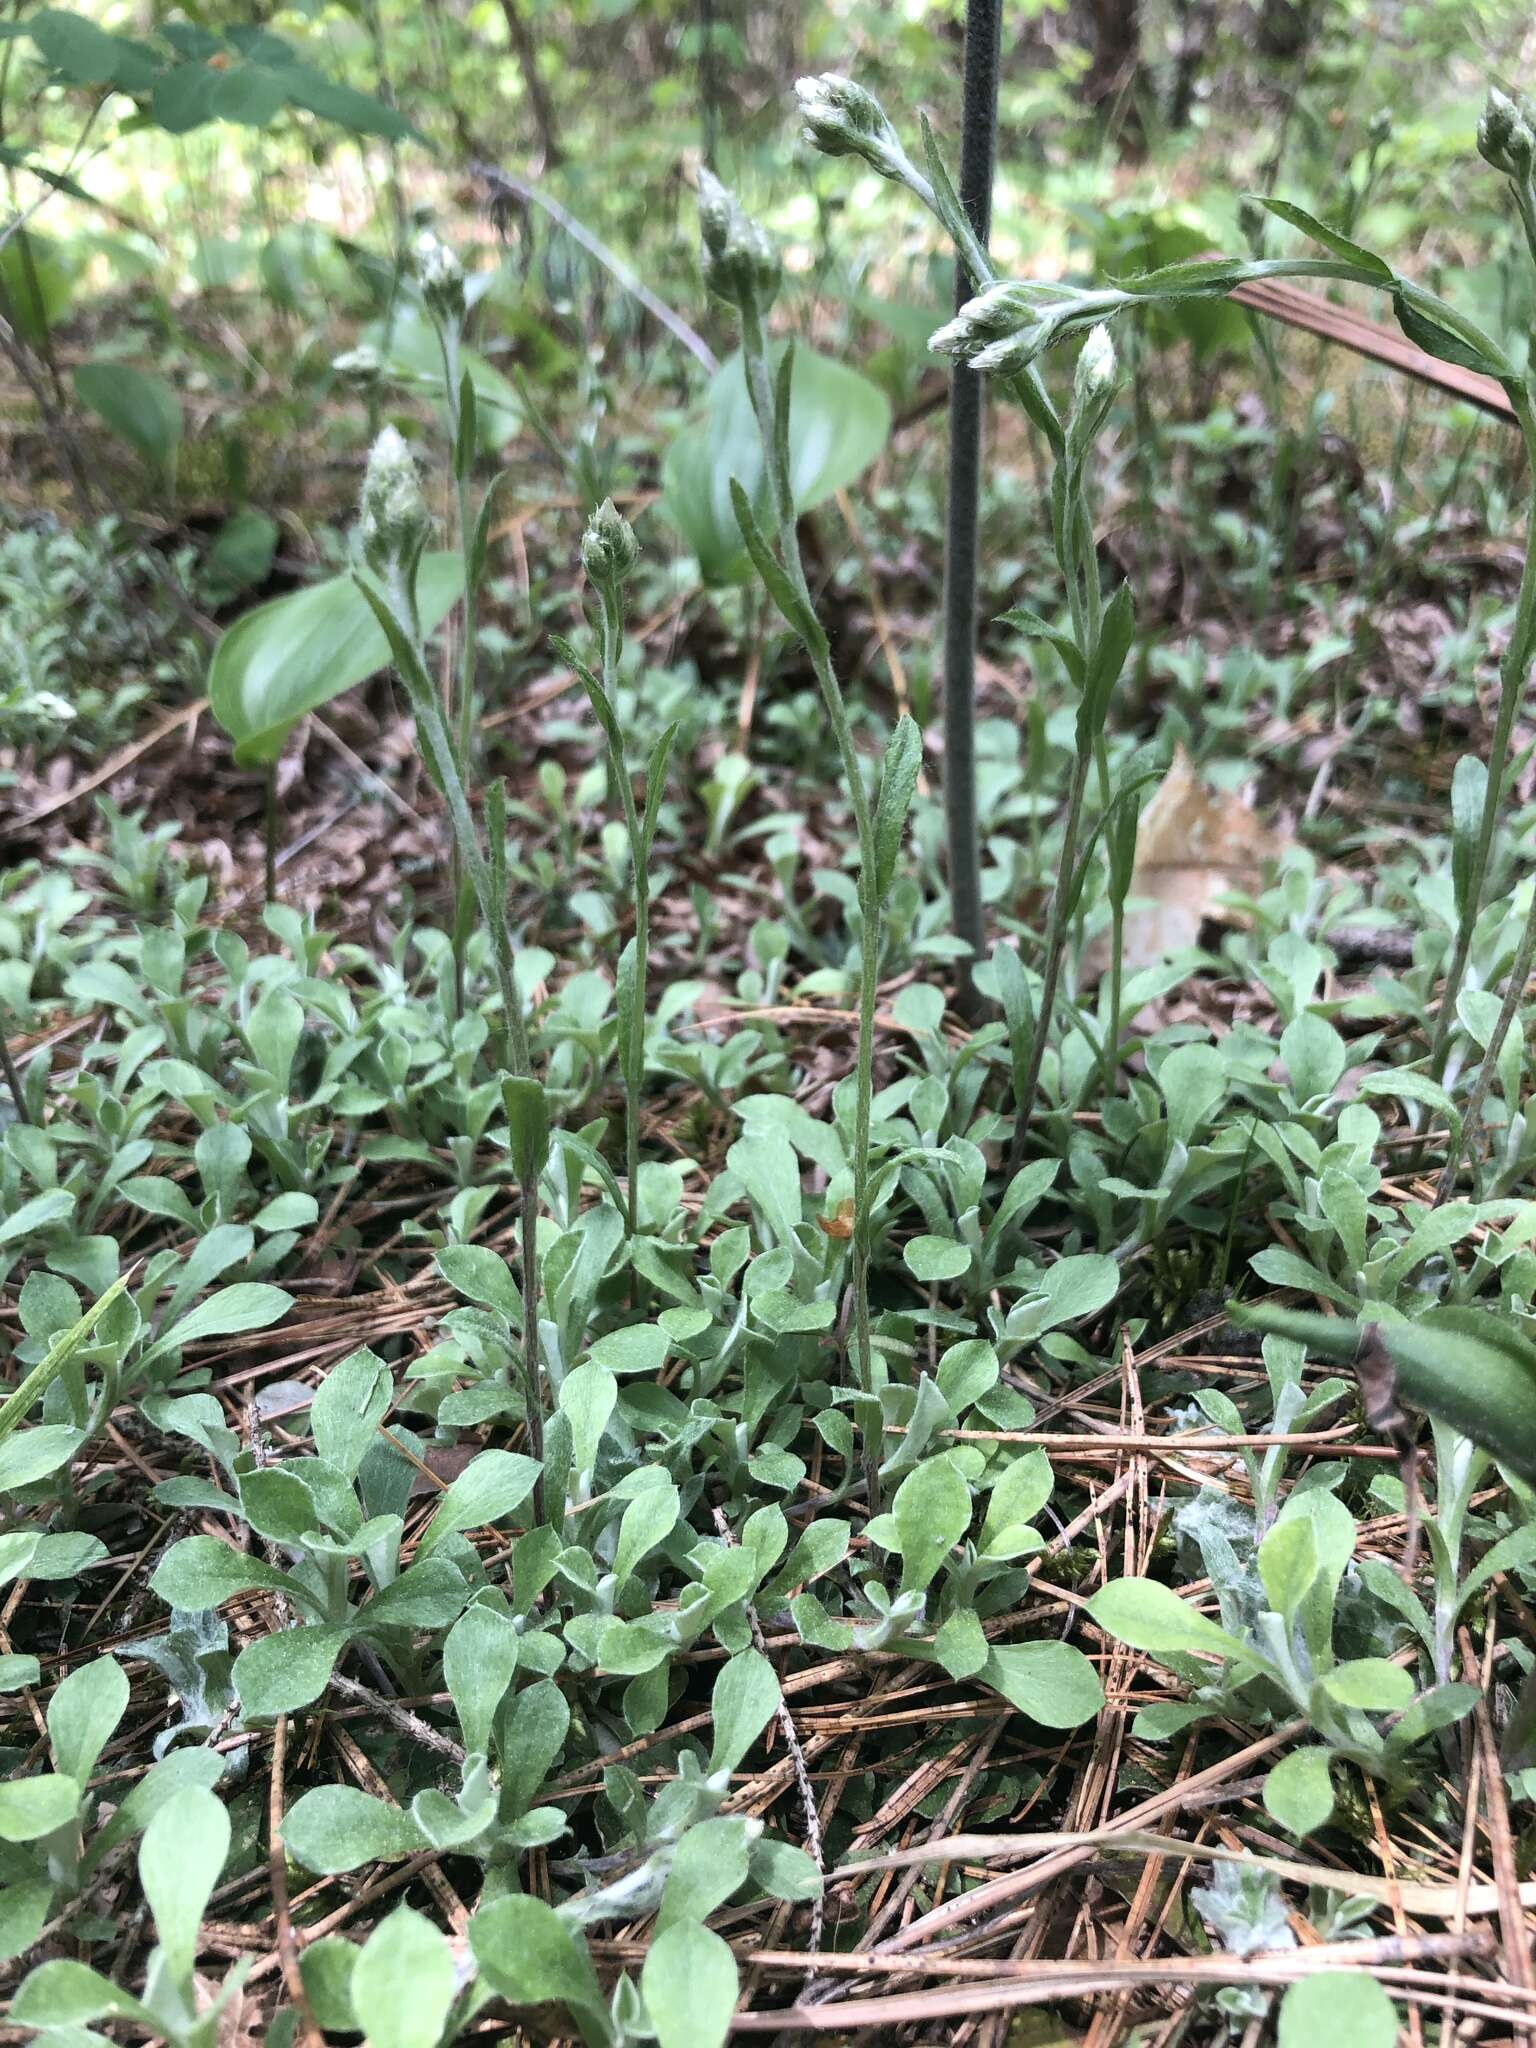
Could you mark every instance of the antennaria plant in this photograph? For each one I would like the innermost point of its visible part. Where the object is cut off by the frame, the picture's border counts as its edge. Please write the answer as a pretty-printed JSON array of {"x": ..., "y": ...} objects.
[
  {"x": 841, "y": 119},
  {"x": 741, "y": 267},
  {"x": 440, "y": 276},
  {"x": 392, "y": 529},
  {"x": 608, "y": 554}
]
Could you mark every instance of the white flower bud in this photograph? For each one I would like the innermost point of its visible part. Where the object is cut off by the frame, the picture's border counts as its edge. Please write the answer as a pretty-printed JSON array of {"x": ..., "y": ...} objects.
[
  {"x": 361, "y": 366},
  {"x": 609, "y": 549},
  {"x": 994, "y": 315},
  {"x": 739, "y": 260},
  {"x": 1097, "y": 371},
  {"x": 842, "y": 119},
  {"x": 440, "y": 275},
  {"x": 1506, "y": 135},
  {"x": 392, "y": 514}
]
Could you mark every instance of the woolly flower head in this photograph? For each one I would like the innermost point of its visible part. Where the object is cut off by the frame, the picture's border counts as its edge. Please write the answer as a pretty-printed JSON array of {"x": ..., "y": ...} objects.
[
  {"x": 609, "y": 549},
  {"x": 842, "y": 119},
  {"x": 1097, "y": 372},
  {"x": 740, "y": 262},
  {"x": 392, "y": 514},
  {"x": 440, "y": 275}
]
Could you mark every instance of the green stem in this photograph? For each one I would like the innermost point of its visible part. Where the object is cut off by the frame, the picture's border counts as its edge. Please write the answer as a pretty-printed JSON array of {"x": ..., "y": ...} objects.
[
  {"x": 437, "y": 737},
  {"x": 533, "y": 1373},
  {"x": 1116, "y": 987},
  {"x": 634, "y": 1064},
  {"x": 1514, "y": 991},
  {"x": 1513, "y": 670},
  {"x": 1055, "y": 949},
  {"x": 755, "y": 357}
]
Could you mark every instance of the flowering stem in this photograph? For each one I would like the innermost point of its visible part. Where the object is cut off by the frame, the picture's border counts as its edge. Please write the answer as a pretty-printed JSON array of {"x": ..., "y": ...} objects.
[
  {"x": 1513, "y": 671},
  {"x": 755, "y": 359},
  {"x": 397, "y": 611}
]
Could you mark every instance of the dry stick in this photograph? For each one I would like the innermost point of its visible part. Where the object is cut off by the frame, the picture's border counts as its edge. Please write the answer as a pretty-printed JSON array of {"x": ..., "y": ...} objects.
[
  {"x": 1048, "y": 1981},
  {"x": 505, "y": 185},
  {"x": 978, "y": 144},
  {"x": 1516, "y": 1940},
  {"x": 277, "y": 1875}
]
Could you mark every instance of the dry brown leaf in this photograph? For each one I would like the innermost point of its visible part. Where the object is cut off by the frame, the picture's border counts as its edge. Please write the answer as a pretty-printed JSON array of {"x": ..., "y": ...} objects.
[{"x": 1194, "y": 845}]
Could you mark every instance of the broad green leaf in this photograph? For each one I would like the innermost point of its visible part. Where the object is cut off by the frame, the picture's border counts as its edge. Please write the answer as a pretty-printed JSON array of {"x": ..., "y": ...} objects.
[
  {"x": 1298, "y": 1792},
  {"x": 31, "y": 1454},
  {"x": 30, "y": 1807},
  {"x": 639, "y": 1347},
  {"x": 180, "y": 1859},
  {"x": 838, "y": 423},
  {"x": 137, "y": 405},
  {"x": 1288, "y": 1564},
  {"x": 326, "y": 1967},
  {"x": 688, "y": 1981},
  {"x": 348, "y": 1407},
  {"x": 1053, "y": 1683},
  {"x": 1314, "y": 1055},
  {"x": 248, "y": 1305},
  {"x": 85, "y": 1708},
  {"x": 709, "y": 1864},
  {"x": 280, "y": 1673},
  {"x": 960, "y": 1645},
  {"x": 1193, "y": 1081},
  {"x": 204, "y": 1571},
  {"x": 1374, "y": 1684},
  {"x": 484, "y": 1276},
  {"x": 1150, "y": 1616},
  {"x": 292, "y": 655},
  {"x": 931, "y": 1511},
  {"x": 68, "y": 1994},
  {"x": 533, "y": 1957},
  {"x": 491, "y": 1486},
  {"x": 648, "y": 1520},
  {"x": 403, "y": 1982},
  {"x": 932, "y": 1259},
  {"x": 745, "y": 1697},
  {"x": 47, "y": 1557},
  {"x": 1337, "y": 2009},
  {"x": 1017, "y": 1498},
  {"x": 480, "y": 1656}
]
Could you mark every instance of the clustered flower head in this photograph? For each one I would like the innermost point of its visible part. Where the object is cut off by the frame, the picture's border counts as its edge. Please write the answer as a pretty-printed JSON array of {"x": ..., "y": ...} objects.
[
  {"x": 440, "y": 275},
  {"x": 740, "y": 263},
  {"x": 842, "y": 119},
  {"x": 361, "y": 366},
  {"x": 609, "y": 549},
  {"x": 1506, "y": 134},
  {"x": 392, "y": 514},
  {"x": 996, "y": 314},
  {"x": 1006, "y": 326}
]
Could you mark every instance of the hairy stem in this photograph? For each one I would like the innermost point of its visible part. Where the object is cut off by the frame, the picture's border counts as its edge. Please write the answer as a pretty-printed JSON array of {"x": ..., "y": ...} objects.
[
  {"x": 755, "y": 357},
  {"x": 1513, "y": 670},
  {"x": 1509, "y": 1009}
]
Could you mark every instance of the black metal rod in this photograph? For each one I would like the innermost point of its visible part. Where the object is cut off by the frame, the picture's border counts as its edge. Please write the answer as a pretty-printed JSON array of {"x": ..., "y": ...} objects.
[{"x": 978, "y": 148}]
